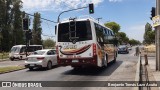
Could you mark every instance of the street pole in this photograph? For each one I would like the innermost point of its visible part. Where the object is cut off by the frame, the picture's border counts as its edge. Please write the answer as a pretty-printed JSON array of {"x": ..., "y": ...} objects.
[
  {"x": 98, "y": 19},
  {"x": 26, "y": 43},
  {"x": 58, "y": 20},
  {"x": 157, "y": 38}
]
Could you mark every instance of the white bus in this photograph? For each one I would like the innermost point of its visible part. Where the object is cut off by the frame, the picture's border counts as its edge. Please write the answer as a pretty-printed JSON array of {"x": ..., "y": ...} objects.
[
  {"x": 85, "y": 42},
  {"x": 19, "y": 51}
]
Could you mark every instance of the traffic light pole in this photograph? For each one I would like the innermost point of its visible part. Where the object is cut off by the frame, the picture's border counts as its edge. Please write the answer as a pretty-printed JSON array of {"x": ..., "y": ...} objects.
[
  {"x": 69, "y": 11},
  {"x": 157, "y": 38},
  {"x": 26, "y": 43}
]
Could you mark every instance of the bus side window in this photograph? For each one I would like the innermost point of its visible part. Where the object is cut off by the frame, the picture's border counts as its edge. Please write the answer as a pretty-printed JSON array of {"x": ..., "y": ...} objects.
[{"x": 99, "y": 34}]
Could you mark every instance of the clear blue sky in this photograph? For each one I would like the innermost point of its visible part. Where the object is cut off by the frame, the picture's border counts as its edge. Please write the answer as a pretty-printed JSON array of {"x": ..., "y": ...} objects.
[{"x": 131, "y": 15}]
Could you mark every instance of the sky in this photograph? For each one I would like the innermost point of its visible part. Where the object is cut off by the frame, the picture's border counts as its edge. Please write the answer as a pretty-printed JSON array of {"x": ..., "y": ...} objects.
[{"x": 131, "y": 15}]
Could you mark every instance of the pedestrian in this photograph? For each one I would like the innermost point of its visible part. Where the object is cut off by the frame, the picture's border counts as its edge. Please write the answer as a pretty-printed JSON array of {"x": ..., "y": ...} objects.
[{"x": 137, "y": 51}]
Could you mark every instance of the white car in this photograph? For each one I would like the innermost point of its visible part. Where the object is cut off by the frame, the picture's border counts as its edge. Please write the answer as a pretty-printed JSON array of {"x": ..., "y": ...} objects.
[{"x": 41, "y": 58}]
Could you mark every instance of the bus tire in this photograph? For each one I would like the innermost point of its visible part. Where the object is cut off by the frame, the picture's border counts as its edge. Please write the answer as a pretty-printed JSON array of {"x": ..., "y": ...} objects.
[
  {"x": 105, "y": 61},
  {"x": 20, "y": 58},
  {"x": 115, "y": 58}
]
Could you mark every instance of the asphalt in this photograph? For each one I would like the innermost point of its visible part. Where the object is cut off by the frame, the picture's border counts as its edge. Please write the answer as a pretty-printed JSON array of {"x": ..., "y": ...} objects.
[{"x": 123, "y": 70}]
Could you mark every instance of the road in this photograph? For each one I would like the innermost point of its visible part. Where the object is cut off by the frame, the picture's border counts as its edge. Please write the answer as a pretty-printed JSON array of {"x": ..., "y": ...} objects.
[{"x": 123, "y": 70}]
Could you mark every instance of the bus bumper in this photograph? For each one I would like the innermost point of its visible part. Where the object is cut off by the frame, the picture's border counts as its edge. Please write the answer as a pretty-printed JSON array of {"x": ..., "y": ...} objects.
[{"x": 78, "y": 62}]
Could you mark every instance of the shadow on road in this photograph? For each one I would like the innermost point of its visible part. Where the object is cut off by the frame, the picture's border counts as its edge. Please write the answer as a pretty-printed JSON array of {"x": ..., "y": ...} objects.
[
  {"x": 92, "y": 71},
  {"x": 17, "y": 60},
  {"x": 42, "y": 69}
]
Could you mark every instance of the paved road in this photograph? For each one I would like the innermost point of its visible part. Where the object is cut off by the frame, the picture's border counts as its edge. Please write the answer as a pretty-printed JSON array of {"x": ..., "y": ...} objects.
[{"x": 123, "y": 70}]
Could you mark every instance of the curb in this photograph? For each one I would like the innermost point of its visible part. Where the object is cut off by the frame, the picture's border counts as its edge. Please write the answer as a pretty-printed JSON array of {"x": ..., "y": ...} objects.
[
  {"x": 12, "y": 71},
  {"x": 137, "y": 77}
]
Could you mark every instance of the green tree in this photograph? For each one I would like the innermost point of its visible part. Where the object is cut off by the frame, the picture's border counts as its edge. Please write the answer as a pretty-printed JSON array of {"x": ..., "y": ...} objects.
[
  {"x": 123, "y": 39},
  {"x": 134, "y": 42},
  {"x": 149, "y": 35},
  {"x": 5, "y": 24},
  {"x": 37, "y": 30},
  {"x": 113, "y": 26},
  {"x": 17, "y": 33},
  {"x": 48, "y": 43}
]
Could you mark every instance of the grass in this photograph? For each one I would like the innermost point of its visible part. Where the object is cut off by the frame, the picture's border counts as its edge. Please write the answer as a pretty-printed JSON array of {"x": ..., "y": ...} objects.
[
  {"x": 4, "y": 55},
  {"x": 10, "y": 68}
]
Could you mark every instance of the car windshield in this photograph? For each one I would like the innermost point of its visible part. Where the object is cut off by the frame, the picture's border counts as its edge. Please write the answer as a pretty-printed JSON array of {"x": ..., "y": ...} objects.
[
  {"x": 38, "y": 52},
  {"x": 123, "y": 46},
  {"x": 15, "y": 49}
]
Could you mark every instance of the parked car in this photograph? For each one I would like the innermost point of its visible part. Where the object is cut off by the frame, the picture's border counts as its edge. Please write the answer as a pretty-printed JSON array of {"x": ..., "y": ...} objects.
[
  {"x": 123, "y": 49},
  {"x": 41, "y": 58}
]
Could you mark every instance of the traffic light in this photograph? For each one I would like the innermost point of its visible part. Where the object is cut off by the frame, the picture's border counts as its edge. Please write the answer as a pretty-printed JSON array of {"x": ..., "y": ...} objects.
[
  {"x": 91, "y": 8},
  {"x": 153, "y": 12},
  {"x": 29, "y": 35},
  {"x": 25, "y": 24}
]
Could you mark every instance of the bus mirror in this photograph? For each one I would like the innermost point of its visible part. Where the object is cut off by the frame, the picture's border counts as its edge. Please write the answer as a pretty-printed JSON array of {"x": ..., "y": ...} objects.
[{"x": 55, "y": 29}]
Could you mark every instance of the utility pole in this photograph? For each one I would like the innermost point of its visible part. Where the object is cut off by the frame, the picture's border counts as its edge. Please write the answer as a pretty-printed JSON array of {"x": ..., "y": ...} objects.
[
  {"x": 58, "y": 20},
  {"x": 157, "y": 37},
  {"x": 98, "y": 19}
]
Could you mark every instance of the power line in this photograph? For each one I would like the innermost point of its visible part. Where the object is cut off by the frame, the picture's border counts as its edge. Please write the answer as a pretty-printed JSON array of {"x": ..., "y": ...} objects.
[
  {"x": 48, "y": 35},
  {"x": 41, "y": 18}
]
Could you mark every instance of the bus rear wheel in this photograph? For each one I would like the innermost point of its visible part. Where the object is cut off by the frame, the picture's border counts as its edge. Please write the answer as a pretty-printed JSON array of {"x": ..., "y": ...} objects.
[
  {"x": 115, "y": 58},
  {"x": 105, "y": 61}
]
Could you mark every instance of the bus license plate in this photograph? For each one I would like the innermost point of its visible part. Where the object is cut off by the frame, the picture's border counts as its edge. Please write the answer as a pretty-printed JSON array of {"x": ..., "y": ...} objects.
[{"x": 74, "y": 61}]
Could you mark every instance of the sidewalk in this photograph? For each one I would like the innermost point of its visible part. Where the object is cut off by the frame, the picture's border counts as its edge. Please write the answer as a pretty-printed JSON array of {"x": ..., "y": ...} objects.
[{"x": 153, "y": 75}]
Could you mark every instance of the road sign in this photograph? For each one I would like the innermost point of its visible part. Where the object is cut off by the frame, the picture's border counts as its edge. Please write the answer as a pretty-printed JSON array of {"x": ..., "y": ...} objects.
[{"x": 156, "y": 21}]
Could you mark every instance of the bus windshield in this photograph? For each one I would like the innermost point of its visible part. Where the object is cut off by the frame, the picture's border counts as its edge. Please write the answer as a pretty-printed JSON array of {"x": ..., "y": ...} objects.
[{"x": 76, "y": 30}]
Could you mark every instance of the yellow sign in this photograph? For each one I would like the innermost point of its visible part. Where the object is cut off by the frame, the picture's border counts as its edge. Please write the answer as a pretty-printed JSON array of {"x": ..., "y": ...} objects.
[{"x": 156, "y": 21}]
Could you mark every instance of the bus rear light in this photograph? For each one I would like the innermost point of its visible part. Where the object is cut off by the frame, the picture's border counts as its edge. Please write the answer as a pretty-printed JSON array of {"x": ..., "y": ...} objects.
[
  {"x": 94, "y": 49},
  {"x": 57, "y": 50}
]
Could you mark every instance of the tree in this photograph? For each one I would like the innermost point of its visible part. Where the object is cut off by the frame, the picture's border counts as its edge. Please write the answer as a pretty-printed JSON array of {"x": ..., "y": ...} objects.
[
  {"x": 17, "y": 31},
  {"x": 134, "y": 42},
  {"x": 122, "y": 37},
  {"x": 48, "y": 43},
  {"x": 113, "y": 26},
  {"x": 5, "y": 23},
  {"x": 149, "y": 35},
  {"x": 37, "y": 30}
]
